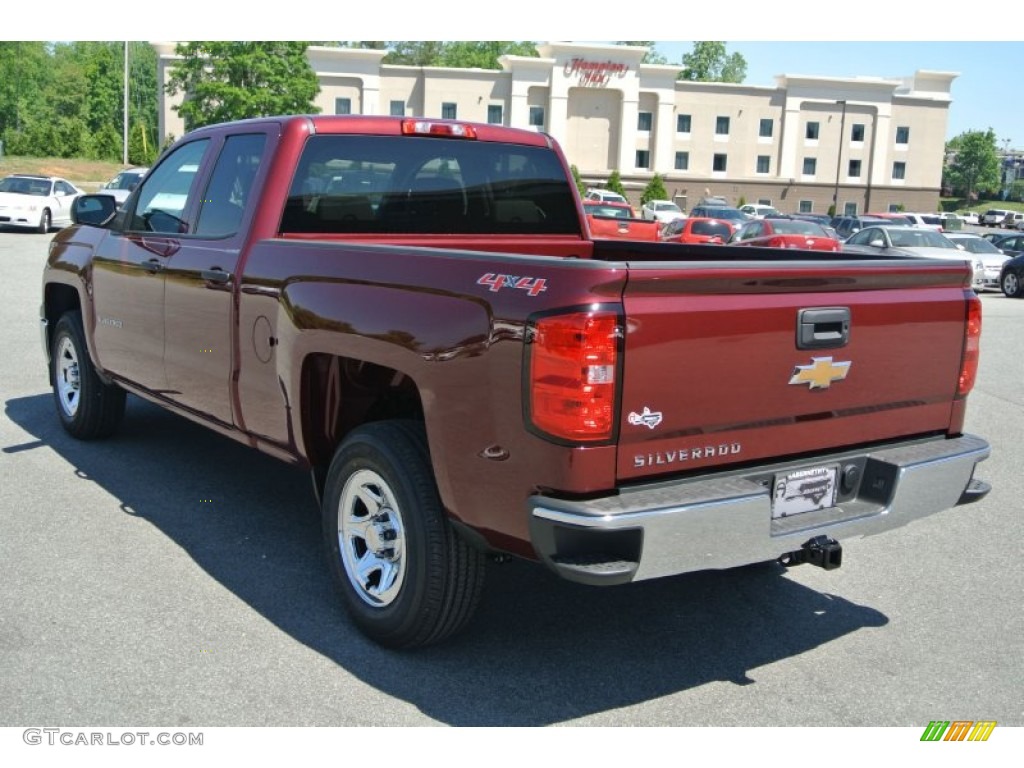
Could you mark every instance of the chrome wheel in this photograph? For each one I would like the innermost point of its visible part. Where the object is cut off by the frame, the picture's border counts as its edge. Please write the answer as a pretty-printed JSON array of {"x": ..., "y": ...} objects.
[
  {"x": 371, "y": 538},
  {"x": 69, "y": 383},
  {"x": 1011, "y": 284}
]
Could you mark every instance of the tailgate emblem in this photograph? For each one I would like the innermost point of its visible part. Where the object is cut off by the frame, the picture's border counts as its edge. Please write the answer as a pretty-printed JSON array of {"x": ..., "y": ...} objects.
[
  {"x": 648, "y": 418},
  {"x": 820, "y": 373}
]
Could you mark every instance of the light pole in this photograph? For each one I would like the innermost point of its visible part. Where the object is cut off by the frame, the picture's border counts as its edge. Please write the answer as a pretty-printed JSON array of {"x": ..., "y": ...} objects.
[{"x": 839, "y": 158}]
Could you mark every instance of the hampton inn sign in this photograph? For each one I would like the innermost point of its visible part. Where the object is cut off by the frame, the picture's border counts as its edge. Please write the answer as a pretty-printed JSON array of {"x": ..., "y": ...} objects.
[{"x": 595, "y": 74}]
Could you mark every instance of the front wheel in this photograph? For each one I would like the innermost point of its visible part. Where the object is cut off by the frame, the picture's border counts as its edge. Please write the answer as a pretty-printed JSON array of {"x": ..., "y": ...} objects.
[
  {"x": 88, "y": 408},
  {"x": 406, "y": 577},
  {"x": 44, "y": 222},
  {"x": 1011, "y": 284}
]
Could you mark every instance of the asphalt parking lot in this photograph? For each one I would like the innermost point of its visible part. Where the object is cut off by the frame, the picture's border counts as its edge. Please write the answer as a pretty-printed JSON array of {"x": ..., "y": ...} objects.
[{"x": 171, "y": 576}]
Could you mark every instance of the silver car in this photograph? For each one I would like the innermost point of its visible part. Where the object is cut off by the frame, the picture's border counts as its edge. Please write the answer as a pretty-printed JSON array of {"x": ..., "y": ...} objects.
[
  {"x": 123, "y": 184},
  {"x": 992, "y": 259}
]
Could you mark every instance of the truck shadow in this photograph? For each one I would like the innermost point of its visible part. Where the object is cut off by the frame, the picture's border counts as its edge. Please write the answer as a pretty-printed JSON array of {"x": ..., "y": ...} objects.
[{"x": 539, "y": 651}]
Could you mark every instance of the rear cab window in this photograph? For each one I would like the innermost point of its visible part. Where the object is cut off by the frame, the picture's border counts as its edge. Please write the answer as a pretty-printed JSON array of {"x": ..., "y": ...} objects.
[{"x": 372, "y": 184}]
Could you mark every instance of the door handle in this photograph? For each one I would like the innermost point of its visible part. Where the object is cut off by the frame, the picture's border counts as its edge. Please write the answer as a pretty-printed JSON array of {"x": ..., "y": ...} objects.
[
  {"x": 215, "y": 275},
  {"x": 825, "y": 328},
  {"x": 152, "y": 266}
]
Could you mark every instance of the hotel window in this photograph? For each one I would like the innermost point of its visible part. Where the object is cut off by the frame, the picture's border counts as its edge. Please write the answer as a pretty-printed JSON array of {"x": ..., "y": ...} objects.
[
  {"x": 537, "y": 116},
  {"x": 899, "y": 170},
  {"x": 682, "y": 161},
  {"x": 397, "y": 108},
  {"x": 810, "y": 166},
  {"x": 806, "y": 206},
  {"x": 644, "y": 120},
  {"x": 722, "y": 126},
  {"x": 643, "y": 158},
  {"x": 767, "y": 127},
  {"x": 812, "y": 131},
  {"x": 449, "y": 110},
  {"x": 903, "y": 134},
  {"x": 682, "y": 123},
  {"x": 494, "y": 114},
  {"x": 343, "y": 106},
  {"x": 857, "y": 132},
  {"x": 719, "y": 163},
  {"x": 854, "y": 170},
  {"x": 764, "y": 163}
]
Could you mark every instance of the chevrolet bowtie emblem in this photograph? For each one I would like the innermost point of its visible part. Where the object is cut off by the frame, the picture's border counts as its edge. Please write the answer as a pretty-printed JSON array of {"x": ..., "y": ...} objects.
[{"x": 821, "y": 373}]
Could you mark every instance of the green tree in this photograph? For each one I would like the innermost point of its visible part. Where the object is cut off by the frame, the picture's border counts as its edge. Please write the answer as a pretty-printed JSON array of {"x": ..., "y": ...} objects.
[
  {"x": 655, "y": 190},
  {"x": 234, "y": 80},
  {"x": 483, "y": 55},
  {"x": 417, "y": 54},
  {"x": 615, "y": 183},
  {"x": 578, "y": 179},
  {"x": 709, "y": 62},
  {"x": 653, "y": 55},
  {"x": 975, "y": 162}
]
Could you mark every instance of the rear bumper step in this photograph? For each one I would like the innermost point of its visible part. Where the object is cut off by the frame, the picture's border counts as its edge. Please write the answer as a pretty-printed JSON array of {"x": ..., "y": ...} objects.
[{"x": 725, "y": 520}]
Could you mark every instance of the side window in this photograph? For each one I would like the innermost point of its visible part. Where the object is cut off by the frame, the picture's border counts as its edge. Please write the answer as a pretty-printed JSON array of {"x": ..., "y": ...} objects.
[
  {"x": 63, "y": 188},
  {"x": 230, "y": 185},
  {"x": 167, "y": 192}
]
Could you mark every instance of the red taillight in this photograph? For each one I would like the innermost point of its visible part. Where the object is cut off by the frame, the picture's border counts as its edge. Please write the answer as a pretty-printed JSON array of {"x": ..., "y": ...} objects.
[
  {"x": 972, "y": 345},
  {"x": 572, "y": 380},
  {"x": 430, "y": 128}
]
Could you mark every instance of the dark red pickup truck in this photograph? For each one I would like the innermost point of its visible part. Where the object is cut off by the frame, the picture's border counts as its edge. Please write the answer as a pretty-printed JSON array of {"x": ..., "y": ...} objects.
[{"x": 415, "y": 311}]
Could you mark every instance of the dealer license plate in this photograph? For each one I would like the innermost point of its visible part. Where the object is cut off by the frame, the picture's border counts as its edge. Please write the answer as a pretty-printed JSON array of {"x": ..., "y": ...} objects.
[{"x": 806, "y": 490}]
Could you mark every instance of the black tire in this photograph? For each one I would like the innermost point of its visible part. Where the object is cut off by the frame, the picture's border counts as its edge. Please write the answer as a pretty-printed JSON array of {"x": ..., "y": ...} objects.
[
  {"x": 87, "y": 407},
  {"x": 1011, "y": 284},
  {"x": 44, "y": 222},
  {"x": 407, "y": 579}
]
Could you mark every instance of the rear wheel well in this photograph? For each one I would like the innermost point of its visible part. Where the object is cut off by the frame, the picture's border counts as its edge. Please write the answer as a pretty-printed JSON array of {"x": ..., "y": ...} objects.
[{"x": 341, "y": 393}]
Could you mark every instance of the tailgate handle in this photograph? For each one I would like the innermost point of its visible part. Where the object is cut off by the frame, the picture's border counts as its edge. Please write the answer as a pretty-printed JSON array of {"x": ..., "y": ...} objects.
[{"x": 824, "y": 328}]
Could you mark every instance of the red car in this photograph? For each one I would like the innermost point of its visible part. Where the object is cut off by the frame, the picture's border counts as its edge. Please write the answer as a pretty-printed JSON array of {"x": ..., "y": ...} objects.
[
  {"x": 697, "y": 230},
  {"x": 785, "y": 233}
]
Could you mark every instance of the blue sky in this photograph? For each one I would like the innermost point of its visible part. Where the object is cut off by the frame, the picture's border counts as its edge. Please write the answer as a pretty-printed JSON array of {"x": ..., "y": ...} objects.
[{"x": 985, "y": 95}]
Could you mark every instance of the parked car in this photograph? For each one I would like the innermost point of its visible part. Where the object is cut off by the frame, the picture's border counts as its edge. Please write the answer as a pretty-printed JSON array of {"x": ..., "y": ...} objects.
[
  {"x": 893, "y": 219},
  {"x": 785, "y": 233},
  {"x": 993, "y": 217},
  {"x": 661, "y": 210},
  {"x": 616, "y": 221},
  {"x": 122, "y": 185},
  {"x": 604, "y": 196},
  {"x": 1011, "y": 277},
  {"x": 1013, "y": 220},
  {"x": 697, "y": 230},
  {"x": 734, "y": 216},
  {"x": 913, "y": 241},
  {"x": 925, "y": 220},
  {"x": 759, "y": 211},
  {"x": 969, "y": 217},
  {"x": 36, "y": 202},
  {"x": 1010, "y": 244},
  {"x": 849, "y": 225},
  {"x": 992, "y": 258}
]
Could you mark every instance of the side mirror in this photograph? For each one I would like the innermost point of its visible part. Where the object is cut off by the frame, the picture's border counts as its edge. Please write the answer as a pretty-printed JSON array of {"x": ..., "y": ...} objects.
[
  {"x": 94, "y": 210},
  {"x": 878, "y": 242}
]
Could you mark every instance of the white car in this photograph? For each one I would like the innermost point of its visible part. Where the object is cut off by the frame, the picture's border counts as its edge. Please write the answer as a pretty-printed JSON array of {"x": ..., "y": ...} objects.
[
  {"x": 759, "y": 211},
  {"x": 970, "y": 217},
  {"x": 993, "y": 217},
  {"x": 605, "y": 196},
  {"x": 36, "y": 202},
  {"x": 912, "y": 241},
  {"x": 992, "y": 259},
  {"x": 122, "y": 185},
  {"x": 663, "y": 211}
]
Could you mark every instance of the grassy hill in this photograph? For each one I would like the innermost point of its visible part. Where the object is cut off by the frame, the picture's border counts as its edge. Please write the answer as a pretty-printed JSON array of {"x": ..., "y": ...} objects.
[{"x": 87, "y": 174}]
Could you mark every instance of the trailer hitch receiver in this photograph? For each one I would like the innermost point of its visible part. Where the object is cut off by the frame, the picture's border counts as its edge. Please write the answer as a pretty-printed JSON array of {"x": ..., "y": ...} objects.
[{"x": 820, "y": 551}]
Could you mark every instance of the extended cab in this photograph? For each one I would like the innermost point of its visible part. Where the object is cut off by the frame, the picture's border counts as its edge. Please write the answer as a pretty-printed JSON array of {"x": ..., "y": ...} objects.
[{"x": 415, "y": 310}]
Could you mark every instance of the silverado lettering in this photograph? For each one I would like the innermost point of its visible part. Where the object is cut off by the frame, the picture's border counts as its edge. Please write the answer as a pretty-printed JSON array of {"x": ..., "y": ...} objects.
[{"x": 419, "y": 312}]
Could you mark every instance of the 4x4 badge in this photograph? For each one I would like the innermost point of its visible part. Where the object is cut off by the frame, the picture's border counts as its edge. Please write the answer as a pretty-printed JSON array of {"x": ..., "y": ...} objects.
[{"x": 820, "y": 373}]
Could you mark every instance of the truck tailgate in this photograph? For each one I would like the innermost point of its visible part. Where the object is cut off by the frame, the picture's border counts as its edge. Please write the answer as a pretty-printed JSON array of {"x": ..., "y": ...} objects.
[{"x": 731, "y": 363}]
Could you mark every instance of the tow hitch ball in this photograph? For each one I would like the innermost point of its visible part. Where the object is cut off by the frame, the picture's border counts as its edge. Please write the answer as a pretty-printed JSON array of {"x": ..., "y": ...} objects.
[{"x": 820, "y": 551}]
